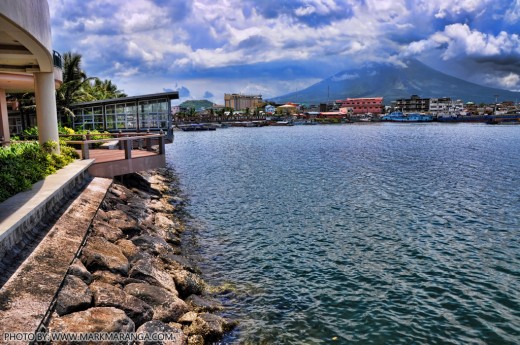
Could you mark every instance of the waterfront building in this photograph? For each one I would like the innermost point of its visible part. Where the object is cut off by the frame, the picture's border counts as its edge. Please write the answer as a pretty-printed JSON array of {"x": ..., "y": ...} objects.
[
  {"x": 446, "y": 105},
  {"x": 270, "y": 109},
  {"x": 28, "y": 63},
  {"x": 241, "y": 102},
  {"x": 137, "y": 113},
  {"x": 358, "y": 106},
  {"x": 414, "y": 104}
]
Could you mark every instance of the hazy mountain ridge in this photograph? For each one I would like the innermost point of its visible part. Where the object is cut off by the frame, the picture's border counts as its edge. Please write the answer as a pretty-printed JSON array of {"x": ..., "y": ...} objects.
[{"x": 393, "y": 82}]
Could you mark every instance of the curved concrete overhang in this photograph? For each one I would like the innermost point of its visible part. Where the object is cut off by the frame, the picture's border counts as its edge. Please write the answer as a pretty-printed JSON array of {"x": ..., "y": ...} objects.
[
  {"x": 25, "y": 40},
  {"x": 18, "y": 82}
]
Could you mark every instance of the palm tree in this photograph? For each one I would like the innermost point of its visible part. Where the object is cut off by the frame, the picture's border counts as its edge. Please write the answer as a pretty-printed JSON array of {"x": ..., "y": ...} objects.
[
  {"x": 71, "y": 91},
  {"x": 99, "y": 90}
]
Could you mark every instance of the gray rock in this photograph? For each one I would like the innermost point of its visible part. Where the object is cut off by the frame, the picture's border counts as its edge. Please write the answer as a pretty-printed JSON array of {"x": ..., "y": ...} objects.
[
  {"x": 189, "y": 317},
  {"x": 98, "y": 253},
  {"x": 153, "y": 329},
  {"x": 177, "y": 262},
  {"x": 93, "y": 320},
  {"x": 203, "y": 304},
  {"x": 160, "y": 206},
  {"x": 196, "y": 339},
  {"x": 152, "y": 244},
  {"x": 188, "y": 283},
  {"x": 107, "y": 231},
  {"x": 79, "y": 270},
  {"x": 167, "y": 307},
  {"x": 123, "y": 221},
  {"x": 74, "y": 296},
  {"x": 106, "y": 295},
  {"x": 211, "y": 327},
  {"x": 128, "y": 248},
  {"x": 147, "y": 270},
  {"x": 101, "y": 215},
  {"x": 108, "y": 278}
]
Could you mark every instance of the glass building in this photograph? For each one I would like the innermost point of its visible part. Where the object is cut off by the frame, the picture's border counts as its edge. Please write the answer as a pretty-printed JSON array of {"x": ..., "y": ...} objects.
[{"x": 131, "y": 114}]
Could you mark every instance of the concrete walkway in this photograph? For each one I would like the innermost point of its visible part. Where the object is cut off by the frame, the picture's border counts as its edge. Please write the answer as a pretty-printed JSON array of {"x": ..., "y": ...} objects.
[{"x": 26, "y": 297}]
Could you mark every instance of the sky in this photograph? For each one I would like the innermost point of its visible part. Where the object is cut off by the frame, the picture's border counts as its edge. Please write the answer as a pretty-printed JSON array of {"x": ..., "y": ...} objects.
[{"x": 205, "y": 48}]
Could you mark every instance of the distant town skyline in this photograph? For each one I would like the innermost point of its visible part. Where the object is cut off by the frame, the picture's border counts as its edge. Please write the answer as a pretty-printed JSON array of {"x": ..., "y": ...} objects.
[{"x": 204, "y": 49}]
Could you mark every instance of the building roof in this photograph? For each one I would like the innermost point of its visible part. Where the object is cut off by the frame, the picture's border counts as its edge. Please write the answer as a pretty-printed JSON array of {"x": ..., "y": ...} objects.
[{"x": 168, "y": 95}]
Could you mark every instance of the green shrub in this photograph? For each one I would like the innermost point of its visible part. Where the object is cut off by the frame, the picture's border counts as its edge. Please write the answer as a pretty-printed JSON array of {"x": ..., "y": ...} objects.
[{"x": 22, "y": 164}]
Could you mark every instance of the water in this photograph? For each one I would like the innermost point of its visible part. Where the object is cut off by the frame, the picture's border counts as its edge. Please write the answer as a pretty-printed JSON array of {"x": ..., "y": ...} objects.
[{"x": 359, "y": 234}]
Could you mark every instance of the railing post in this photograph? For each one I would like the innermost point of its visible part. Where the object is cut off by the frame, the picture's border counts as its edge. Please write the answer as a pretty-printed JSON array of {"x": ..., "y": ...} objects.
[
  {"x": 162, "y": 143},
  {"x": 84, "y": 151},
  {"x": 121, "y": 142},
  {"x": 128, "y": 148},
  {"x": 148, "y": 143}
]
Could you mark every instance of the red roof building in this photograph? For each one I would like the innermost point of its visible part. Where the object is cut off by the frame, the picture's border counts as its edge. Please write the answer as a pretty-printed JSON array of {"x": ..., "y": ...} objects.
[{"x": 363, "y": 105}]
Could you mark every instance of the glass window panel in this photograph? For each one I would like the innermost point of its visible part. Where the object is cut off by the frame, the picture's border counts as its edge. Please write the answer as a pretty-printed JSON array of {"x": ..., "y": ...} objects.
[
  {"x": 110, "y": 109},
  {"x": 87, "y": 110},
  {"x": 98, "y": 110},
  {"x": 120, "y": 109},
  {"x": 111, "y": 122}
]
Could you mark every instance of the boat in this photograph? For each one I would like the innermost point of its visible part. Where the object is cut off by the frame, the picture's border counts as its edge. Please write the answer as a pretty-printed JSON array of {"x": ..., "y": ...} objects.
[
  {"x": 399, "y": 116},
  {"x": 282, "y": 123},
  {"x": 197, "y": 127}
]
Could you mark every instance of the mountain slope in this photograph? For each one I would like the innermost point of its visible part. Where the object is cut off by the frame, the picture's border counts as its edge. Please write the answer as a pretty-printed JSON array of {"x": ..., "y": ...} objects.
[
  {"x": 197, "y": 105},
  {"x": 392, "y": 82}
]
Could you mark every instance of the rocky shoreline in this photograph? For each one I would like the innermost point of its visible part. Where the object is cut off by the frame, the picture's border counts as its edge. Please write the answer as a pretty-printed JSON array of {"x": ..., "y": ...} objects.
[{"x": 130, "y": 276}]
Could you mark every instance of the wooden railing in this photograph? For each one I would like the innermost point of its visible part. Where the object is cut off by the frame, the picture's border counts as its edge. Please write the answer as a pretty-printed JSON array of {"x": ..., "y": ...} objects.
[{"x": 126, "y": 142}]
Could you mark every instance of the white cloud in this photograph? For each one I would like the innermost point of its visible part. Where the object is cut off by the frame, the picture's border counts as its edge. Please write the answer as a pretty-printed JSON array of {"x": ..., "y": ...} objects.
[
  {"x": 512, "y": 15},
  {"x": 509, "y": 81},
  {"x": 458, "y": 40}
]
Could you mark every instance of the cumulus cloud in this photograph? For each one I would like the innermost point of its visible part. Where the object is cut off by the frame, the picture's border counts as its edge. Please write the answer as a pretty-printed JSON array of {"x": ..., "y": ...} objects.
[
  {"x": 509, "y": 81},
  {"x": 459, "y": 40},
  {"x": 193, "y": 38}
]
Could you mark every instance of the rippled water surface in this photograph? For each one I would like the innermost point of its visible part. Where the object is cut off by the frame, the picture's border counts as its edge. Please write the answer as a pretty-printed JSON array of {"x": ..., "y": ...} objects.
[{"x": 359, "y": 234}]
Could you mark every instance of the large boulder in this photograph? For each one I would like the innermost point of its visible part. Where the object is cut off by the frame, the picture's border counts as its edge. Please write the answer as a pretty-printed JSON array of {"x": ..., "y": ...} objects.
[
  {"x": 128, "y": 248},
  {"x": 177, "y": 262},
  {"x": 123, "y": 221},
  {"x": 98, "y": 253},
  {"x": 147, "y": 270},
  {"x": 108, "y": 277},
  {"x": 106, "y": 295},
  {"x": 188, "y": 283},
  {"x": 79, "y": 270},
  {"x": 211, "y": 327},
  {"x": 74, "y": 296},
  {"x": 93, "y": 320},
  {"x": 158, "y": 333},
  {"x": 203, "y": 304},
  {"x": 107, "y": 231},
  {"x": 152, "y": 244},
  {"x": 166, "y": 306}
]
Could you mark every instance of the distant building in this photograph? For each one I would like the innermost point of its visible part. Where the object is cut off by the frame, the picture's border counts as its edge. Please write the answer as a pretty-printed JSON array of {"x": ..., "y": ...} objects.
[
  {"x": 242, "y": 102},
  {"x": 413, "y": 104},
  {"x": 445, "y": 105},
  {"x": 270, "y": 109},
  {"x": 372, "y": 105}
]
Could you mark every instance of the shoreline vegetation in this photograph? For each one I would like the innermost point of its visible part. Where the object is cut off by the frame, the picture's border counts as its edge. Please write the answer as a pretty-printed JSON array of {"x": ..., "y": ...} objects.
[{"x": 131, "y": 276}]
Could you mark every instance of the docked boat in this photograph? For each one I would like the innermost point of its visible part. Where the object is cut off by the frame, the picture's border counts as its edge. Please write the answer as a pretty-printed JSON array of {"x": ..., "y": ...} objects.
[
  {"x": 197, "y": 127},
  {"x": 282, "y": 123},
  {"x": 399, "y": 116}
]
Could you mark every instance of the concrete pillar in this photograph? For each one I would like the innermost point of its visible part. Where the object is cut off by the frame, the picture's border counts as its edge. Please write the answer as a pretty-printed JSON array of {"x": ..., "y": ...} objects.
[
  {"x": 4, "y": 120},
  {"x": 46, "y": 113}
]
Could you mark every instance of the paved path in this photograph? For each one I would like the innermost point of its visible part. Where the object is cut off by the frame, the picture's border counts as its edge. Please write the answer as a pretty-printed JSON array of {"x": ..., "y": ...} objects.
[{"x": 26, "y": 297}]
